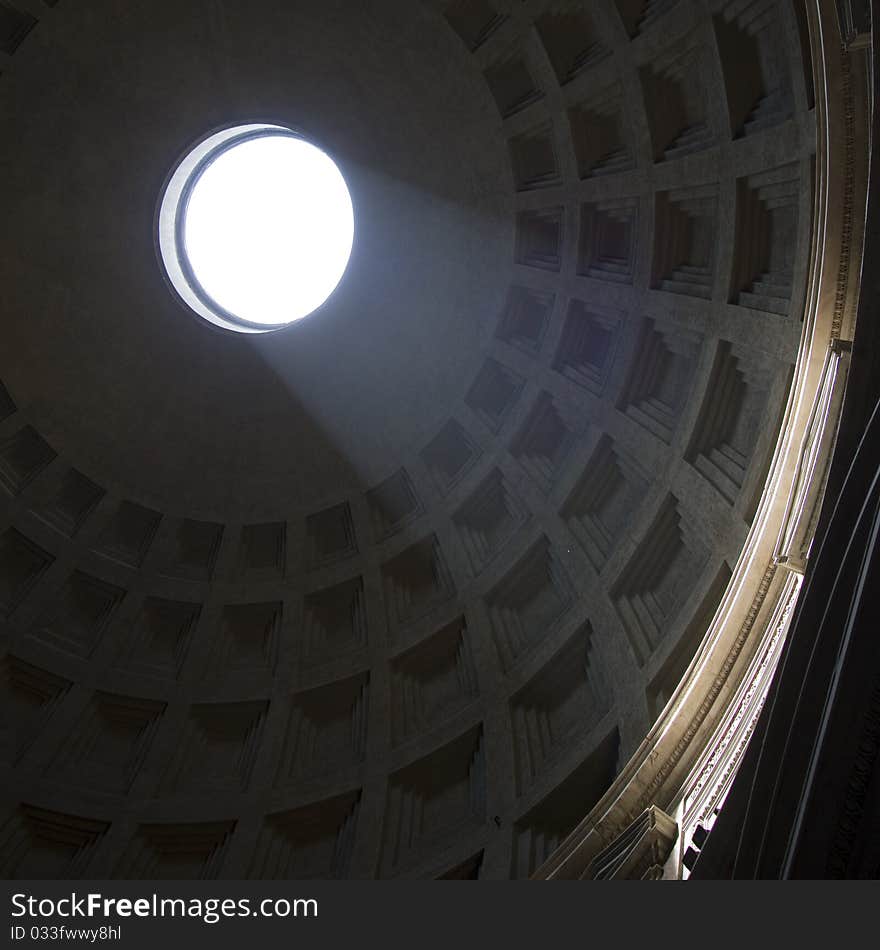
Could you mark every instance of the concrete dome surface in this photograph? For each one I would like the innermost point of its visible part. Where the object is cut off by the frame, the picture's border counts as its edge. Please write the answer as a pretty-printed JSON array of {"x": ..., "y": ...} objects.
[{"x": 398, "y": 590}]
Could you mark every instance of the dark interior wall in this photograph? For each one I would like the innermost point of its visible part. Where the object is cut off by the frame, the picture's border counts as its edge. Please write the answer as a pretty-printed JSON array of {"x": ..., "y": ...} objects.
[{"x": 806, "y": 802}]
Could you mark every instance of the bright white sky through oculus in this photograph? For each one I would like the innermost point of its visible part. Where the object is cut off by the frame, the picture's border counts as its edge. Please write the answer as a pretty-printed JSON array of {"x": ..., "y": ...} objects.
[{"x": 269, "y": 229}]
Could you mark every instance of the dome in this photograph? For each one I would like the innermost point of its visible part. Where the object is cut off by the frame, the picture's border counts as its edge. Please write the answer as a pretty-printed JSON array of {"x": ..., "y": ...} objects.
[{"x": 400, "y": 589}]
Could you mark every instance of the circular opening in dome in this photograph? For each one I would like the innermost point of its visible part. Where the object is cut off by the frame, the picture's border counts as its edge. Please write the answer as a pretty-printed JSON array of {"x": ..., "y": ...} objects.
[{"x": 256, "y": 228}]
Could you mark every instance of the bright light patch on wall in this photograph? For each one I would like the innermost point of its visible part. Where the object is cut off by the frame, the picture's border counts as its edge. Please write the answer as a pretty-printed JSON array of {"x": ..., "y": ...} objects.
[{"x": 256, "y": 228}]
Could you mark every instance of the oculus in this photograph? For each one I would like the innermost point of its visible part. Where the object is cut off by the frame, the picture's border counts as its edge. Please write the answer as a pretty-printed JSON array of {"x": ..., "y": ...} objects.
[{"x": 255, "y": 228}]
